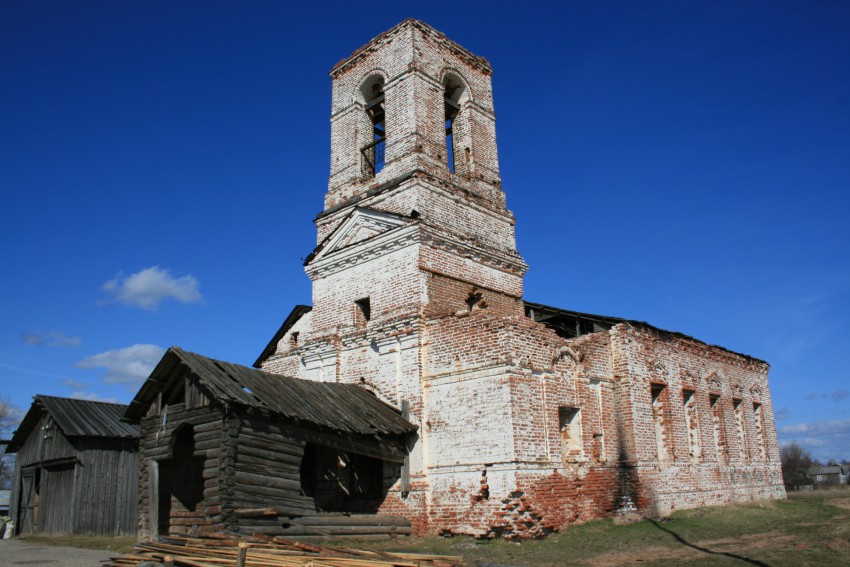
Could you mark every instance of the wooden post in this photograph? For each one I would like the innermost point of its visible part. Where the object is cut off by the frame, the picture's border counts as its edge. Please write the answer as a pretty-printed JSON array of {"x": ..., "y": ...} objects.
[
  {"x": 241, "y": 554},
  {"x": 153, "y": 498},
  {"x": 405, "y": 467},
  {"x": 168, "y": 561}
]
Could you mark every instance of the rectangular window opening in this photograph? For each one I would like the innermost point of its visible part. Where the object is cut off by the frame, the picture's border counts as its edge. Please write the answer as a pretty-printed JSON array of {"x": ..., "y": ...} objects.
[
  {"x": 717, "y": 427},
  {"x": 363, "y": 311},
  {"x": 691, "y": 422},
  {"x": 740, "y": 427},
  {"x": 569, "y": 424},
  {"x": 658, "y": 415},
  {"x": 758, "y": 418}
]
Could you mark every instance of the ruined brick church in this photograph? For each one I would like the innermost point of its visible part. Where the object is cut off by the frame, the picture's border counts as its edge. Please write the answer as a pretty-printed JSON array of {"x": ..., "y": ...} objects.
[
  {"x": 523, "y": 418},
  {"x": 529, "y": 417}
]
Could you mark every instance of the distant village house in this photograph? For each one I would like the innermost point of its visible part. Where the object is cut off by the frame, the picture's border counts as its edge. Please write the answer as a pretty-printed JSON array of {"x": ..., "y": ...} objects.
[{"x": 829, "y": 475}]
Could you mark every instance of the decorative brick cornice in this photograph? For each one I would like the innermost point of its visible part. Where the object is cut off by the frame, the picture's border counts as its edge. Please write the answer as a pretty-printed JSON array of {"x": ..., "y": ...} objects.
[
  {"x": 402, "y": 237},
  {"x": 488, "y": 257}
]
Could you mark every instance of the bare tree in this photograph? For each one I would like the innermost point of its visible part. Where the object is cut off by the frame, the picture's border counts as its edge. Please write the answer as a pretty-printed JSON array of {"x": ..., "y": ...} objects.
[
  {"x": 9, "y": 418},
  {"x": 796, "y": 462}
]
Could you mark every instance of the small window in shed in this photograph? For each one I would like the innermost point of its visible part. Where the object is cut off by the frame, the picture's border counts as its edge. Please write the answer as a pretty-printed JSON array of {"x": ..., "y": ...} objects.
[{"x": 362, "y": 311}]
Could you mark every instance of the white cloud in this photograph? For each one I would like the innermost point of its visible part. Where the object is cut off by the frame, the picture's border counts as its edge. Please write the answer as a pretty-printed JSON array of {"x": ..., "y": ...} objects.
[
  {"x": 53, "y": 339},
  {"x": 92, "y": 397},
  {"x": 129, "y": 365},
  {"x": 149, "y": 287},
  {"x": 782, "y": 413},
  {"x": 825, "y": 440},
  {"x": 830, "y": 427}
]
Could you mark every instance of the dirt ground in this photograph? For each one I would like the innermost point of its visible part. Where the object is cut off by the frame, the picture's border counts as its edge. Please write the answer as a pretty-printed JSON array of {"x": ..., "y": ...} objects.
[{"x": 17, "y": 552}]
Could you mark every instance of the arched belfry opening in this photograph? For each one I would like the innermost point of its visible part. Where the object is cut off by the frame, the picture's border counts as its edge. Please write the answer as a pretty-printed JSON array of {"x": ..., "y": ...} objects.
[
  {"x": 458, "y": 151},
  {"x": 373, "y": 143}
]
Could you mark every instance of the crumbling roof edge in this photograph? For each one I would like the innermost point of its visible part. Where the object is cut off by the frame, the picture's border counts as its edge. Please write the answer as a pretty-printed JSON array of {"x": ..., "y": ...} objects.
[
  {"x": 294, "y": 316},
  {"x": 646, "y": 326},
  {"x": 409, "y": 22}
]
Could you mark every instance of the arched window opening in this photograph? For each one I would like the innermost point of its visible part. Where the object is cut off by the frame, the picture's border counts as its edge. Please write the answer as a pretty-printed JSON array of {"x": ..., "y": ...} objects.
[
  {"x": 453, "y": 95},
  {"x": 372, "y": 92}
]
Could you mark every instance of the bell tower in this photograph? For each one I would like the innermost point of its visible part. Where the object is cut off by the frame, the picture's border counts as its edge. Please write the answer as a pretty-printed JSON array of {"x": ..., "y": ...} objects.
[
  {"x": 417, "y": 283},
  {"x": 413, "y": 135},
  {"x": 412, "y": 100}
]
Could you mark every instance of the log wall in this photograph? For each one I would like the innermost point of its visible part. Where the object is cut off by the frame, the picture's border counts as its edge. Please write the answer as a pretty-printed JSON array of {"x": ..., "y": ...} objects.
[
  {"x": 249, "y": 464},
  {"x": 266, "y": 484},
  {"x": 156, "y": 452}
]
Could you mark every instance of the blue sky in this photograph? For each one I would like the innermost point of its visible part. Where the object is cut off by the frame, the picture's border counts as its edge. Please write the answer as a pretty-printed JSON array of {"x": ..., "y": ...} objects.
[{"x": 684, "y": 163}]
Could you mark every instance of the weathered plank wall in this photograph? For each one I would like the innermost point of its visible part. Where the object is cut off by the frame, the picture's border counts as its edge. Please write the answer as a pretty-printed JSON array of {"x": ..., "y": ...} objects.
[
  {"x": 106, "y": 496},
  {"x": 56, "y": 499},
  {"x": 86, "y": 486},
  {"x": 47, "y": 443}
]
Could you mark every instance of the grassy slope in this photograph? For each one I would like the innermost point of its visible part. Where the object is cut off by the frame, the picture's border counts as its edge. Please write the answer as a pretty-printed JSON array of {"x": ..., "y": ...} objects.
[{"x": 806, "y": 529}]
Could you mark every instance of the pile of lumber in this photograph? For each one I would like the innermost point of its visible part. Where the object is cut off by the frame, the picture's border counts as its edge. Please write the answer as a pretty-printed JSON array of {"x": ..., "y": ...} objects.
[
  {"x": 372, "y": 526},
  {"x": 224, "y": 550},
  {"x": 275, "y": 521}
]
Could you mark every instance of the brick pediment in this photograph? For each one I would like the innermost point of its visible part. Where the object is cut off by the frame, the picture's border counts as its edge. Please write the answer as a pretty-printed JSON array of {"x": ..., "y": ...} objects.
[{"x": 361, "y": 225}]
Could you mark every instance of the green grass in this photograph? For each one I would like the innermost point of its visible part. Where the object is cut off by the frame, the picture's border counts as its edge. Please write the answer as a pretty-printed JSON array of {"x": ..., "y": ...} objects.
[{"x": 806, "y": 529}]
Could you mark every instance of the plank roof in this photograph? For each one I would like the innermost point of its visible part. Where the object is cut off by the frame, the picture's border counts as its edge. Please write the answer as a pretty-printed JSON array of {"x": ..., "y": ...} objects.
[
  {"x": 339, "y": 407},
  {"x": 75, "y": 418}
]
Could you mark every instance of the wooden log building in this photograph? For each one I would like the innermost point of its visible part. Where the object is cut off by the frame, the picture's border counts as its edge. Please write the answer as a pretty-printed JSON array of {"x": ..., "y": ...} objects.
[
  {"x": 76, "y": 469},
  {"x": 226, "y": 447}
]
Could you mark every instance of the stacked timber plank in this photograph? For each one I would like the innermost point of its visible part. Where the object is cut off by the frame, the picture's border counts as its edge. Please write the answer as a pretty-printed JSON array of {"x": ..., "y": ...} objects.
[
  {"x": 350, "y": 525},
  {"x": 222, "y": 550}
]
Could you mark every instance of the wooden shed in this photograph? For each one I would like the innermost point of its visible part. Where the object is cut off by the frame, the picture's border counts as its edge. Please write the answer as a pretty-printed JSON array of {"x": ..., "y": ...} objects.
[
  {"x": 229, "y": 448},
  {"x": 76, "y": 469}
]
